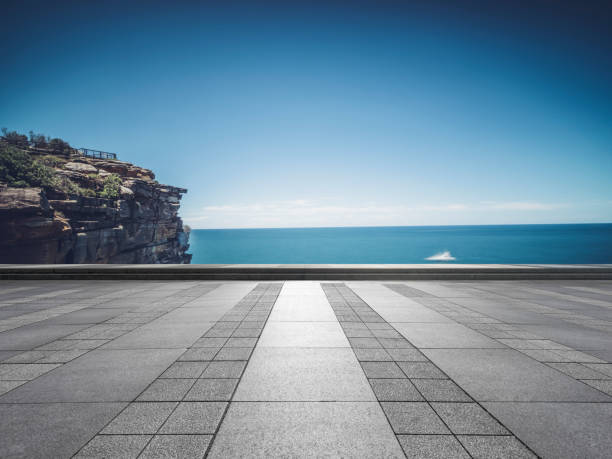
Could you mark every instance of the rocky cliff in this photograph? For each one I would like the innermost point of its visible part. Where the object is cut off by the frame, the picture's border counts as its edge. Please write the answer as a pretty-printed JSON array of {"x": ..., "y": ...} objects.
[{"x": 134, "y": 222}]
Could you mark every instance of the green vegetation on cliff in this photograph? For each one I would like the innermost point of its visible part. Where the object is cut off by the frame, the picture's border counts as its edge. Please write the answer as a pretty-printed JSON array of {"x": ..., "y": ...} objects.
[
  {"x": 112, "y": 187},
  {"x": 20, "y": 168}
]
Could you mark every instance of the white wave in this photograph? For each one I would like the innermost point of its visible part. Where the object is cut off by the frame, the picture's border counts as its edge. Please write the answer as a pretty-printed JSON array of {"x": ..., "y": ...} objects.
[{"x": 442, "y": 256}]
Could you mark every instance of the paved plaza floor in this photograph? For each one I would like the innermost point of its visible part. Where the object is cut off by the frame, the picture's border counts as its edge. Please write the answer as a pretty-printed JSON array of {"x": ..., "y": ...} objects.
[{"x": 418, "y": 369}]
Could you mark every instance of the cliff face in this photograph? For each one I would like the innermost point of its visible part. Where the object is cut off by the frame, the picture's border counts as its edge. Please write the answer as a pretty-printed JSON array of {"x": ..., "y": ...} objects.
[{"x": 139, "y": 225}]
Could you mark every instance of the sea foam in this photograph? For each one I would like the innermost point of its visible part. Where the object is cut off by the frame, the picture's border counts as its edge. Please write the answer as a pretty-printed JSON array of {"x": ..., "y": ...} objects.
[{"x": 442, "y": 256}]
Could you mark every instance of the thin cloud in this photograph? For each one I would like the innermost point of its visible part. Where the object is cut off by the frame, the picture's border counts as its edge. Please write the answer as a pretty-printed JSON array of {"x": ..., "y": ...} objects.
[
  {"x": 308, "y": 213},
  {"x": 521, "y": 206}
]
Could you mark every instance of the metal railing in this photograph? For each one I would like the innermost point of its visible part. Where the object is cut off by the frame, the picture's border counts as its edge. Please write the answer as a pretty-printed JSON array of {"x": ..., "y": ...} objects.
[{"x": 97, "y": 153}]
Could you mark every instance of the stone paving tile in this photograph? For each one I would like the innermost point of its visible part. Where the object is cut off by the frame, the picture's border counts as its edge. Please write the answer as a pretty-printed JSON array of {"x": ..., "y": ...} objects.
[
  {"x": 441, "y": 390},
  {"x": 194, "y": 418},
  {"x": 395, "y": 343},
  {"x": 304, "y": 374},
  {"x": 185, "y": 370},
  {"x": 114, "y": 446},
  {"x": 5, "y": 355},
  {"x": 372, "y": 355},
  {"x": 241, "y": 342},
  {"x": 407, "y": 355},
  {"x": 579, "y": 357},
  {"x": 604, "y": 385},
  {"x": 166, "y": 390},
  {"x": 218, "y": 333},
  {"x": 212, "y": 390},
  {"x": 252, "y": 324},
  {"x": 386, "y": 334},
  {"x": 140, "y": 418},
  {"x": 378, "y": 326},
  {"x": 98, "y": 376},
  {"x": 413, "y": 418},
  {"x": 492, "y": 447},
  {"x": 88, "y": 344},
  {"x": 224, "y": 369},
  {"x": 382, "y": 370},
  {"x": 420, "y": 370},
  {"x": 396, "y": 390},
  {"x": 199, "y": 354},
  {"x": 468, "y": 419},
  {"x": 62, "y": 356},
  {"x": 303, "y": 334},
  {"x": 543, "y": 355},
  {"x": 210, "y": 342},
  {"x": 299, "y": 429},
  {"x": 364, "y": 343},
  {"x": 508, "y": 375},
  {"x": 28, "y": 357},
  {"x": 221, "y": 325},
  {"x": 234, "y": 353},
  {"x": 24, "y": 371},
  {"x": 605, "y": 368},
  {"x": 432, "y": 447},
  {"x": 51, "y": 429},
  {"x": 358, "y": 333},
  {"x": 445, "y": 335},
  {"x": 247, "y": 333},
  {"x": 578, "y": 371},
  {"x": 177, "y": 447},
  {"x": 6, "y": 386}
]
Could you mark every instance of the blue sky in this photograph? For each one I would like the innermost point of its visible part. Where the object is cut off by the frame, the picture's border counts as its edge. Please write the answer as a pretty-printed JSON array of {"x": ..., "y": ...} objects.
[{"x": 343, "y": 113}]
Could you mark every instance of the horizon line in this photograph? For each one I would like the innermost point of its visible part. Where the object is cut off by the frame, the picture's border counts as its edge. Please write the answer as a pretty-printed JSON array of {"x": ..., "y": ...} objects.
[{"x": 397, "y": 226}]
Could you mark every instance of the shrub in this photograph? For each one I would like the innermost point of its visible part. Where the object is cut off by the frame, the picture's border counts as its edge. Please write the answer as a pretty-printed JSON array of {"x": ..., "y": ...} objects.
[
  {"x": 51, "y": 161},
  {"x": 86, "y": 192},
  {"x": 112, "y": 187},
  {"x": 66, "y": 185},
  {"x": 18, "y": 169}
]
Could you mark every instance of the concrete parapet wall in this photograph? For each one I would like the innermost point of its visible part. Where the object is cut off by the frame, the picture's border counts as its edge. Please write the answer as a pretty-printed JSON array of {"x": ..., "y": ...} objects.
[{"x": 308, "y": 272}]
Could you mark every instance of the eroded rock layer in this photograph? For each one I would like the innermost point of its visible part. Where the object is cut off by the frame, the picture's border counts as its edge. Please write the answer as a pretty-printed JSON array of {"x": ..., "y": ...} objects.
[{"x": 140, "y": 225}]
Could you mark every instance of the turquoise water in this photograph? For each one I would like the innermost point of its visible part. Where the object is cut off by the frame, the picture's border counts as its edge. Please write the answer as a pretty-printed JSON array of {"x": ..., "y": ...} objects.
[{"x": 586, "y": 243}]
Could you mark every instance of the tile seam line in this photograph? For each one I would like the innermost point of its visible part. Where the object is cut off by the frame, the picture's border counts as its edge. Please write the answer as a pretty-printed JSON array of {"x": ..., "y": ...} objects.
[
  {"x": 474, "y": 400},
  {"x": 127, "y": 404},
  {"x": 59, "y": 305},
  {"x": 103, "y": 322},
  {"x": 511, "y": 348},
  {"x": 213, "y": 435},
  {"x": 98, "y": 402},
  {"x": 530, "y": 300},
  {"x": 269, "y": 285},
  {"x": 182, "y": 398},
  {"x": 368, "y": 379},
  {"x": 140, "y": 325}
]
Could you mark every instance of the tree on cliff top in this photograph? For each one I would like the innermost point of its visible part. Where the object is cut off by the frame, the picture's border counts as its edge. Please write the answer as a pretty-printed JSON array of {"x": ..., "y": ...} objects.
[
  {"x": 14, "y": 138},
  {"x": 56, "y": 145}
]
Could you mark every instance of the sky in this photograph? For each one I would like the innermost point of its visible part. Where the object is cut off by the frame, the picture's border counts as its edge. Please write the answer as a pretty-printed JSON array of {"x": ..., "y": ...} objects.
[{"x": 291, "y": 114}]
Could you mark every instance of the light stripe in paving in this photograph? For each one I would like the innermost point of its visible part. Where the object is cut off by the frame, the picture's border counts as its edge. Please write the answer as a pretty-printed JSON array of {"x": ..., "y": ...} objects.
[{"x": 307, "y": 399}]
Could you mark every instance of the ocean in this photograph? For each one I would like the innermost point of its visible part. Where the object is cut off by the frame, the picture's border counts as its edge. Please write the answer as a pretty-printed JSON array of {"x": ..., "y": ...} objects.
[{"x": 573, "y": 243}]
